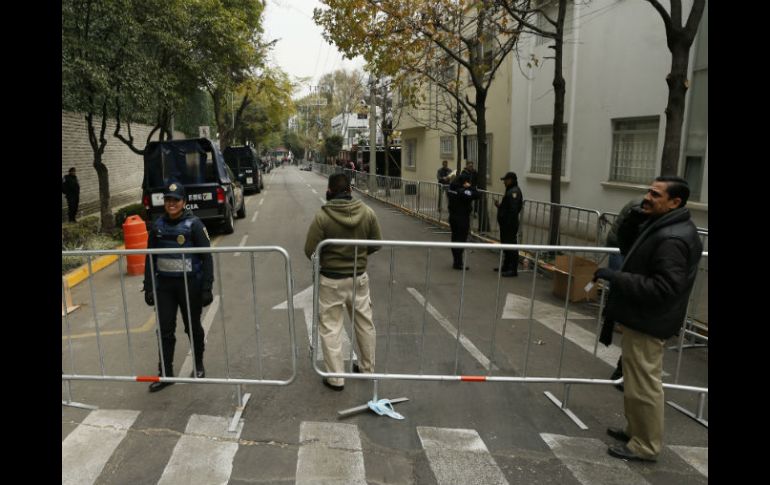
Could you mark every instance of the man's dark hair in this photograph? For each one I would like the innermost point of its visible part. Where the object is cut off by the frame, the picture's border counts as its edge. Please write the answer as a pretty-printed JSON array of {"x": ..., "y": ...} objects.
[
  {"x": 72, "y": 170},
  {"x": 339, "y": 183},
  {"x": 677, "y": 187}
]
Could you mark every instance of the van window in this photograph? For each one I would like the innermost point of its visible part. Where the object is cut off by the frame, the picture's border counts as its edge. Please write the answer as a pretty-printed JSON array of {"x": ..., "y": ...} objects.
[{"x": 184, "y": 161}]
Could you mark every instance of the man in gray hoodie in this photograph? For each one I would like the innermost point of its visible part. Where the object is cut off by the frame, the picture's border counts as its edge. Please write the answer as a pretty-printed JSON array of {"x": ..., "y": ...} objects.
[{"x": 344, "y": 218}]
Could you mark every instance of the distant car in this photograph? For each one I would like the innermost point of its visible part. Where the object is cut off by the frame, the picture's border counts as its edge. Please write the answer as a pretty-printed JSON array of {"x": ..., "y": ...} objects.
[
  {"x": 213, "y": 192},
  {"x": 244, "y": 162}
]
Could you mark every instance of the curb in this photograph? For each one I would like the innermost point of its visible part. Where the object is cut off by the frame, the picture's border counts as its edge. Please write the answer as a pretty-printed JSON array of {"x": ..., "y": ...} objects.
[{"x": 79, "y": 274}]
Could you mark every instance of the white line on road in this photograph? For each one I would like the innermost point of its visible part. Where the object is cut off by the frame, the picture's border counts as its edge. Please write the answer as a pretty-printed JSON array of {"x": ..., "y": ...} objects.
[
  {"x": 696, "y": 457},
  {"x": 329, "y": 453},
  {"x": 86, "y": 450},
  {"x": 242, "y": 243},
  {"x": 261, "y": 201},
  {"x": 467, "y": 344},
  {"x": 589, "y": 462},
  {"x": 208, "y": 319},
  {"x": 314, "y": 191},
  {"x": 459, "y": 456},
  {"x": 254, "y": 217},
  {"x": 322, "y": 201},
  {"x": 204, "y": 454}
]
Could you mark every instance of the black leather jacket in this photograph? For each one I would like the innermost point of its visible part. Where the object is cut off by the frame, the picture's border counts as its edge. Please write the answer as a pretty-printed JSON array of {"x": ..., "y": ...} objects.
[{"x": 650, "y": 292}]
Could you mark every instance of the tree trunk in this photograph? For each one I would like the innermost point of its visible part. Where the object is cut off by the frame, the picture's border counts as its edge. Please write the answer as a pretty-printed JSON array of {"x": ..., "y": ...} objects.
[
  {"x": 677, "y": 88},
  {"x": 481, "y": 140},
  {"x": 103, "y": 176},
  {"x": 558, "y": 126}
]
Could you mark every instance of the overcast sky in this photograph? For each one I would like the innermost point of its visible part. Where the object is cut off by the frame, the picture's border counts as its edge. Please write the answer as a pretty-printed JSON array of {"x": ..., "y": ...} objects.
[{"x": 301, "y": 50}]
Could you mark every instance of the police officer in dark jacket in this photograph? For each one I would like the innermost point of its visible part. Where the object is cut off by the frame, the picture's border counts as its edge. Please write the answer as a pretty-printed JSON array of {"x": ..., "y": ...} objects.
[
  {"x": 649, "y": 300},
  {"x": 508, "y": 210},
  {"x": 178, "y": 228},
  {"x": 461, "y": 195},
  {"x": 71, "y": 190}
]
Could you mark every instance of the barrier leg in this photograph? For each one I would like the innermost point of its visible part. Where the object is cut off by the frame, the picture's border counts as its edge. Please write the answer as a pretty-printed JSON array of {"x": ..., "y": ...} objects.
[
  {"x": 698, "y": 417},
  {"x": 241, "y": 403},
  {"x": 69, "y": 402},
  {"x": 563, "y": 406},
  {"x": 365, "y": 407}
]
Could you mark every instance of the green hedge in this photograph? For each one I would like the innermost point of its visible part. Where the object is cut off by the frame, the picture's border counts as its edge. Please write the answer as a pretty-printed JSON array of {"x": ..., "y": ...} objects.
[{"x": 130, "y": 210}]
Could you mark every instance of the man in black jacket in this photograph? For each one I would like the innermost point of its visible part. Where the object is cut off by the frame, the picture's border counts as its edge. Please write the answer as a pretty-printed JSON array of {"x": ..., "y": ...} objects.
[
  {"x": 71, "y": 190},
  {"x": 461, "y": 194},
  {"x": 508, "y": 217},
  {"x": 649, "y": 299}
]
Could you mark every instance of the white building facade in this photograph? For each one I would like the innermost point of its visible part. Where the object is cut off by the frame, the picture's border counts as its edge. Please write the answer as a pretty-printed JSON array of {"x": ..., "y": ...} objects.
[{"x": 353, "y": 127}]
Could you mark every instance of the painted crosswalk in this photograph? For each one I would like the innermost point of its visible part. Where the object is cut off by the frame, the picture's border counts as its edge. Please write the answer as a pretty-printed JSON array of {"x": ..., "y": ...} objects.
[{"x": 334, "y": 453}]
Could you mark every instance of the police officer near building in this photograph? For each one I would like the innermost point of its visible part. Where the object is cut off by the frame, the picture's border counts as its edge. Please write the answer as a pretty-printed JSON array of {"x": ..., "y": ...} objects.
[
  {"x": 508, "y": 210},
  {"x": 461, "y": 195},
  {"x": 178, "y": 228},
  {"x": 71, "y": 190}
]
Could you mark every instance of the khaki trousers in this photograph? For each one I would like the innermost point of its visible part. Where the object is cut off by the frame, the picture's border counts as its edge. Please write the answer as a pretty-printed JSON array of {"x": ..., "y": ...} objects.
[
  {"x": 335, "y": 296},
  {"x": 643, "y": 391}
]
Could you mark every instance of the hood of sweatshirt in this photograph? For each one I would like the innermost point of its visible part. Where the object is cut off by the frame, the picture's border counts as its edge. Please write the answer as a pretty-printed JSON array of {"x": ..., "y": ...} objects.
[{"x": 347, "y": 213}]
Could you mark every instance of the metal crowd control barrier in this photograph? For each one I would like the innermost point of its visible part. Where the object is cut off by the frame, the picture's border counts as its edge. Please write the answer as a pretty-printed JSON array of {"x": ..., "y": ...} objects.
[
  {"x": 103, "y": 374},
  {"x": 460, "y": 339}
]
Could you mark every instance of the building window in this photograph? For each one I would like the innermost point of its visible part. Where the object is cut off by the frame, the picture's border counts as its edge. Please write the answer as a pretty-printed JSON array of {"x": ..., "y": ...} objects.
[
  {"x": 634, "y": 150},
  {"x": 411, "y": 153},
  {"x": 542, "y": 149},
  {"x": 447, "y": 147}
]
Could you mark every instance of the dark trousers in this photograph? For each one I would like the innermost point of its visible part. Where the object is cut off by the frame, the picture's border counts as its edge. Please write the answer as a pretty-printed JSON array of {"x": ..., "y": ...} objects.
[
  {"x": 460, "y": 227},
  {"x": 171, "y": 296},
  {"x": 72, "y": 207},
  {"x": 508, "y": 235}
]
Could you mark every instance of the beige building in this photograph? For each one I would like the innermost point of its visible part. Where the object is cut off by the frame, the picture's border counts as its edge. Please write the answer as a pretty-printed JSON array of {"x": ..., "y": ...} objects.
[{"x": 615, "y": 65}]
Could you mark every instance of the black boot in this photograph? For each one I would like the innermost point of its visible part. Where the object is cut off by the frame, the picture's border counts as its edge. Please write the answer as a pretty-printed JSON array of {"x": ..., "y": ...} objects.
[
  {"x": 200, "y": 371},
  {"x": 157, "y": 386}
]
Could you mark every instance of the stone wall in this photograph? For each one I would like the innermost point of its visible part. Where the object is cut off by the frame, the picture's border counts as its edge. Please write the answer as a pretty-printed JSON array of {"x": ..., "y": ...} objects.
[{"x": 125, "y": 167}]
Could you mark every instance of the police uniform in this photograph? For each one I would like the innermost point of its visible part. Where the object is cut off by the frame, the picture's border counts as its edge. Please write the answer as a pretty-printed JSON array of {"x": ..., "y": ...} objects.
[
  {"x": 508, "y": 219},
  {"x": 186, "y": 231},
  {"x": 460, "y": 200}
]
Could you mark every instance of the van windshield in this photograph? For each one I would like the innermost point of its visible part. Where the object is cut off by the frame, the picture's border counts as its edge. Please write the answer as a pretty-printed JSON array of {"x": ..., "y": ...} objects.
[
  {"x": 184, "y": 161},
  {"x": 239, "y": 157}
]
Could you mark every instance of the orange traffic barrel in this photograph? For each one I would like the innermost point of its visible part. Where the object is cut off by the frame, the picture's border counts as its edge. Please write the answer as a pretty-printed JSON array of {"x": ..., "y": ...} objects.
[{"x": 135, "y": 237}]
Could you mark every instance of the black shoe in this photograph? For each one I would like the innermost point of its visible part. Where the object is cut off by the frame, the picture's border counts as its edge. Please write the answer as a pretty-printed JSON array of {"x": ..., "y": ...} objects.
[
  {"x": 618, "y": 434},
  {"x": 199, "y": 372},
  {"x": 332, "y": 386},
  {"x": 356, "y": 369},
  {"x": 459, "y": 266},
  {"x": 157, "y": 386},
  {"x": 496, "y": 269},
  {"x": 509, "y": 274},
  {"x": 622, "y": 451}
]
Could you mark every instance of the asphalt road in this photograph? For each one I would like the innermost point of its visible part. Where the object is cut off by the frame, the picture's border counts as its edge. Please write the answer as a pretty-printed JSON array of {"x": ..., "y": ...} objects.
[{"x": 453, "y": 432}]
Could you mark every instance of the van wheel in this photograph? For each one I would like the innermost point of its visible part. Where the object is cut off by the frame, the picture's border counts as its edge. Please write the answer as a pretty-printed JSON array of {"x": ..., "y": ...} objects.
[
  {"x": 228, "y": 226},
  {"x": 242, "y": 211}
]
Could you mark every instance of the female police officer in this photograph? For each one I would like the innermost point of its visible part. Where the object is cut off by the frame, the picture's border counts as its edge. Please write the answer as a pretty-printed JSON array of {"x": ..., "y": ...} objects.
[{"x": 178, "y": 228}]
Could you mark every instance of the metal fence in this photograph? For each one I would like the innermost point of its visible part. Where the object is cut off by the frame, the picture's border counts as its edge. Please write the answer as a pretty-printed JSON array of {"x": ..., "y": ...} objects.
[
  {"x": 109, "y": 361},
  {"x": 413, "y": 337}
]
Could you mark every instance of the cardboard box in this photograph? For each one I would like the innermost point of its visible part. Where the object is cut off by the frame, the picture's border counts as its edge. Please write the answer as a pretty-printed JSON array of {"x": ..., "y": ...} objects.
[{"x": 582, "y": 272}]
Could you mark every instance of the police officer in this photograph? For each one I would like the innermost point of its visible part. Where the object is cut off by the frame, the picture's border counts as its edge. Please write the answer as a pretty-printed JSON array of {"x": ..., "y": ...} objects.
[
  {"x": 461, "y": 194},
  {"x": 508, "y": 217},
  {"x": 178, "y": 228}
]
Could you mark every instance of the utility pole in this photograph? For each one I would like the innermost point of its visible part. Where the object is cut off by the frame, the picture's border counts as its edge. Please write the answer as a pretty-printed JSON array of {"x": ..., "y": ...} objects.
[{"x": 372, "y": 126}]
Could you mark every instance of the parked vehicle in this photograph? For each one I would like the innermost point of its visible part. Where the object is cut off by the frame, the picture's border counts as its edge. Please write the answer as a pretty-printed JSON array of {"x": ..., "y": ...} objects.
[
  {"x": 213, "y": 192},
  {"x": 244, "y": 162}
]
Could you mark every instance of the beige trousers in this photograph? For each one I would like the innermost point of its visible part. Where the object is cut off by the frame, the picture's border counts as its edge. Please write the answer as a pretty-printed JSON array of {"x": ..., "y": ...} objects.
[
  {"x": 643, "y": 391},
  {"x": 335, "y": 297}
]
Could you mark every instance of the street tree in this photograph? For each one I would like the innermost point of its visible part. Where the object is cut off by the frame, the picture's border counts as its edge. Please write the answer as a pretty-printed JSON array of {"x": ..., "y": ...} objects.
[
  {"x": 679, "y": 38},
  {"x": 97, "y": 38}
]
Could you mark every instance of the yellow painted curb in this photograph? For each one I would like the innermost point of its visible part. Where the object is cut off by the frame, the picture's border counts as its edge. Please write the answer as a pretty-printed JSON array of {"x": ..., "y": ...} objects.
[{"x": 77, "y": 275}]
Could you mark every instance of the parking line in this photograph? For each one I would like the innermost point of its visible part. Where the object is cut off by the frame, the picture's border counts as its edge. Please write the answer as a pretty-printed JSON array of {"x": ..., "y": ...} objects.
[
  {"x": 242, "y": 243},
  {"x": 254, "y": 217}
]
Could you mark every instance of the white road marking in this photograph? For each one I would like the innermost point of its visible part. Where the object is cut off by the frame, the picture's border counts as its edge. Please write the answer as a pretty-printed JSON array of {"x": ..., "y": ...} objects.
[
  {"x": 459, "y": 456},
  {"x": 204, "y": 454},
  {"x": 304, "y": 301},
  {"x": 208, "y": 319},
  {"x": 86, "y": 450},
  {"x": 261, "y": 201},
  {"x": 696, "y": 457},
  {"x": 329, "y": 453},
  {"x": 314, "y": 191},
  {"x": 254, "y": 217},
  {"x": 467, "y": 344},
  {"x": 241, "y": 244},
  {"x": 322, "y": 201},
  {"x": 589, "y": 462},
  {"x": 552, "y": 317}
]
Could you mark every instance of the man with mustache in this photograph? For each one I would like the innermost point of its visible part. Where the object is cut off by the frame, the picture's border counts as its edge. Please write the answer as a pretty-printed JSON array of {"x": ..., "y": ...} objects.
[{"x": 649, "y": 300}]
